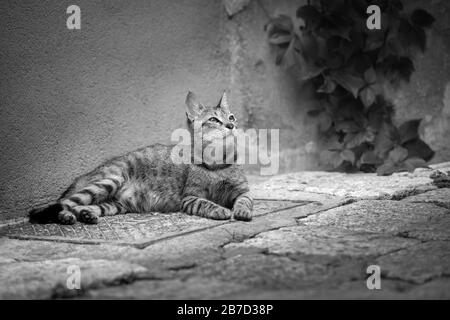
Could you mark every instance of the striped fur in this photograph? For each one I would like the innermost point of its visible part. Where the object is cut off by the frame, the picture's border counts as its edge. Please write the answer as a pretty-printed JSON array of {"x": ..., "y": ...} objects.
[{"x": 146, "y": 180}]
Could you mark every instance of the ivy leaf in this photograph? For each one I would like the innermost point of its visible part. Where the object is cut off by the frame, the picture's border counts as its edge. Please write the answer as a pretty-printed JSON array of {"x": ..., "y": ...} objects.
[
  {"x": 347, "y": 126},
  {"x": 280, "y": 38},
  {"x": 349, "y": 82},
  {"x": 367, "y": 96},
  {"x": 348, "y": 155},
  {"x": 418, "y": 148},
  {"x": 290, "y": 57},
  {"x": 422, "y": 18},
  {"x": 353, "y": 140},
  {"x": 328, "y": 86},
  {"x": 369, "y": 157},
  {"x": 334, "y": 60},
  {"x": 310, "y": 15},
  {"x": 409, "y": 35},
  {"x": 309, "y": 46},
  {"x": 409, "y": 130},
  {"x": 325, "y": 121},
  {"x": 398, "y": 154},
  {"x": 397, "y": 67},
  {"x": 336, "y": 24},
  {"x": 385, "y": 140},
  {"x": 370, "y": 75},
  {"x": 413, "y": 163},
  {"x": 281, "y": 24},
  {"x": 375, "y": 40},
  {"x": 386, "y": 169}
]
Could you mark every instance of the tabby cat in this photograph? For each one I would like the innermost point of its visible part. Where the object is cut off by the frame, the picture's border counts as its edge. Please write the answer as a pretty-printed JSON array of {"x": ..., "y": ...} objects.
[{"x": 147, "y": 180}]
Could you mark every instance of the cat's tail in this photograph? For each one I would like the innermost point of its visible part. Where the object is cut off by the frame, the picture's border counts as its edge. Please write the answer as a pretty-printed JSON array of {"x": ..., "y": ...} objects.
[{"x": 48, "y": 214}]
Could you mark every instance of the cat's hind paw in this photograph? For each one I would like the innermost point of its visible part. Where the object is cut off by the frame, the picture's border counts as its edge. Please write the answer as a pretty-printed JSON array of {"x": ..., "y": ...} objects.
[
  {"x": 88, "y": 215},
  {"x": 66, "y": 217},
  {"x": 243, "y": 214}
]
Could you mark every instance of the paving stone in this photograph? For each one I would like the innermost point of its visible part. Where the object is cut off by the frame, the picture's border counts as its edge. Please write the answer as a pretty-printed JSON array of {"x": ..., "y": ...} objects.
[
  {"x": 440, "y": 197},
  {"x": 435, "y": 289},
  {"x": 320, "y": 241},
  {"x": 48, "y": 278},
  {"x": 443, "y": 166},
  {"x": 185, "y": 289},
  {"x": 419, "y": 263},
  {"x": 32, "y": 250},
  {"x": 419, "y": 220},
  {"x": 317, "y": 186},
  {"x": 348, "y": 290},
  {"x": 130, "y": 229},
  {"x": 206, "y": 246},
  {"x": 263, "y": 271}
]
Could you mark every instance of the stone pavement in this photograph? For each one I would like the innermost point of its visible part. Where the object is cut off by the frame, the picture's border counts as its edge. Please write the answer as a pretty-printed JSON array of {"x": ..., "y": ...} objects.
[{"x": 313, "y": 236}]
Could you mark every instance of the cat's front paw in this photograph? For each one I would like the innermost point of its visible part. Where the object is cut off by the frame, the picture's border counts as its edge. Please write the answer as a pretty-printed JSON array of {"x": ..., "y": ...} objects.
[
  {"x": 220, "y": 213},
  {"x": 242, "y": 213}
]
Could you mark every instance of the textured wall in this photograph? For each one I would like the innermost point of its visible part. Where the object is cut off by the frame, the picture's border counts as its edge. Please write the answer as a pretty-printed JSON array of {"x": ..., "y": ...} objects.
[{"x": 70, "y": 99}]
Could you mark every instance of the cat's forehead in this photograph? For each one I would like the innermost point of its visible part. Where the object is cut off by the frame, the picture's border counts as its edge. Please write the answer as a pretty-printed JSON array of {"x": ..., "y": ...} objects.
[{"x": 216, "y": 111}]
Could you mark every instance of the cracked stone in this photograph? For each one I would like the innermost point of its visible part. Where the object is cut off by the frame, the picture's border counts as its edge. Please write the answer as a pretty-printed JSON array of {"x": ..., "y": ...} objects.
[
  {"x": 192, "y": 288},
  {"x": 262, "y": 271},
  {"x": 435, "y": 289},
  {"x": 416, "y": 220},
  {"x": 320, "y": 241},
  {"x": 349, "y": 290},
  {"x": 440, "y": 197},
  {"x": 48, "y": 278},
  {"x": 322, "y": 185},
  {"x": 417, "y": 264},
  {"x": 20, "y": 250}
]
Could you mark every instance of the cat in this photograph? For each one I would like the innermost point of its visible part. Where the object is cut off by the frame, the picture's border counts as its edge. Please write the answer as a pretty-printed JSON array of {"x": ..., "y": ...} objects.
[{"x": 148, "y": 180}]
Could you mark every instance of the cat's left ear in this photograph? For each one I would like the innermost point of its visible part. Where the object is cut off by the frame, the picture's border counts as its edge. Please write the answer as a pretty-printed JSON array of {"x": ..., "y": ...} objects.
[
  {"x": 223, "y": 103},
  {"x": 193, "y": 107}
]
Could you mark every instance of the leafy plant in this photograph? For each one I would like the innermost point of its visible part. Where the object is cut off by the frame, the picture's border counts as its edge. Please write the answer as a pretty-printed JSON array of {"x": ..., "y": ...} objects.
[{"x": 346, "y": 63}]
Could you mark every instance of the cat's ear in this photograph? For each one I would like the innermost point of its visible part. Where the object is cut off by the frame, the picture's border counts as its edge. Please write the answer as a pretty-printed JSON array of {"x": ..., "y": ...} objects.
[
  {"x": 223, "y": 103},
  {"x": 193, "y": 108}
]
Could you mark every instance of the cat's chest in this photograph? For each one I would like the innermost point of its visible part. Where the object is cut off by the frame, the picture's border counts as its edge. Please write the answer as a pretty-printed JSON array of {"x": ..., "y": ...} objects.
[{"x": 223, "y": 187}]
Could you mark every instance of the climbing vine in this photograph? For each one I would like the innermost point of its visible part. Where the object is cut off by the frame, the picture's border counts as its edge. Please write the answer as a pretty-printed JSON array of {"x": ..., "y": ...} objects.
[{"x": 329, "y": 46}]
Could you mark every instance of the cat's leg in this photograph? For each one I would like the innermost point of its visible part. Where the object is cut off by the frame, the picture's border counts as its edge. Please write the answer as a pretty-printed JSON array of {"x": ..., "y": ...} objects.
[
  {"x": 194, "y": 205},
  {"x": 90, "y": 214},
  {"x": 94, "y": 192},
  {"x": 243, "y": 207}
]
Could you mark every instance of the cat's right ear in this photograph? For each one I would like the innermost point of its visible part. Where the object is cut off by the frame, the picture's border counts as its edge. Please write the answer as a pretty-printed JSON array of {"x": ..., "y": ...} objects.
[{"x": 193, "y": 108}]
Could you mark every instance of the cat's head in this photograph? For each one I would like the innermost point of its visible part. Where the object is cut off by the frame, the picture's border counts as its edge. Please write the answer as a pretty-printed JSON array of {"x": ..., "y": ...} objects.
[{"x": 216, "y": 122}]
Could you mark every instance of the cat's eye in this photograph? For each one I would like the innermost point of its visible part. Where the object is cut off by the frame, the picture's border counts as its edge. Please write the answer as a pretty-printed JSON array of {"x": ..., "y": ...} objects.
[
  {"x": 215, "y": 120},
  {"x": 231, "y": 118}
]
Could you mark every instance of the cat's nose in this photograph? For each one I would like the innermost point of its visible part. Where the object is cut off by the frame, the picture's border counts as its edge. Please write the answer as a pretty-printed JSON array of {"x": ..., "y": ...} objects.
[{"x": 229, "y": 126}]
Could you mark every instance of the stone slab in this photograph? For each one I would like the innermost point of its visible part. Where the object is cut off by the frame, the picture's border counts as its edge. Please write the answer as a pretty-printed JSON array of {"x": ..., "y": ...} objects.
[
  {"x": 319, "y": 186},
  {"x": 48, "y": 279},
  {"x": 423, "y": 221},
  {"x": 327, "y": 241},
  {"x": 418, "y": 264},
  {"x": 440, "y": 197},
  {"x": 131, "y": 229}
]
